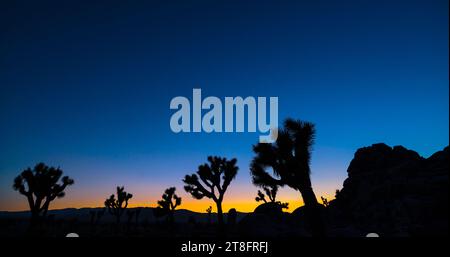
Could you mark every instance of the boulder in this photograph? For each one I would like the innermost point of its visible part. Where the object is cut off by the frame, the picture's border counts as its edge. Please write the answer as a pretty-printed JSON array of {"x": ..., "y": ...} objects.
[{"x": 271, "y": 209}]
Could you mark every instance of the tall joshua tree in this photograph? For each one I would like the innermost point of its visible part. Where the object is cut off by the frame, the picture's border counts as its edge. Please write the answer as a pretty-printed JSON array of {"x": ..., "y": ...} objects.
[
  {"x": 170, "y": 201},
  {"x": 289, "y": 158},
  {"x": 211, "y": 181},
  {"x": 118, "y": 206},
  {"x": 41, "y": 186}
]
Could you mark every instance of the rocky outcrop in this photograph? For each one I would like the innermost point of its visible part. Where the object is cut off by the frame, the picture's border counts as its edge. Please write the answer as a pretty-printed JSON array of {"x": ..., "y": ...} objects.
[
  {"x": 271, "y": 209},
  {"x": 394, "y": 192},
  {"x": 269, "y": 220}
]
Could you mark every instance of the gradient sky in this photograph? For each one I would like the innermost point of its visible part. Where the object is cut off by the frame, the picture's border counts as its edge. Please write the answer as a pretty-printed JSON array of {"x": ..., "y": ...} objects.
[{"x": 87, "y": 87}]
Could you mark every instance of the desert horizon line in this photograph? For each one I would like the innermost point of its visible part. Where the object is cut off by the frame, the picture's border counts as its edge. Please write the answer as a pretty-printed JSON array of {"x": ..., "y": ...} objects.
[{"x": 192, "y": 205}]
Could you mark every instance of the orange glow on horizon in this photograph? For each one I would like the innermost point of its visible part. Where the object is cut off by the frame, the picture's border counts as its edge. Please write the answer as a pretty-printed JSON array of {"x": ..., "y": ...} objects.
[
  {"x": 188, "y": 204},
  {"x": 239, "y": 197}
]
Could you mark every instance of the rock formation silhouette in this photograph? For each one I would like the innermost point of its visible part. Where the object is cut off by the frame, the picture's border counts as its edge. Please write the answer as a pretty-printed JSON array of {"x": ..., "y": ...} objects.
[
  {"x": 394, "y": 191},
  {"x": 231, "y": 217}
]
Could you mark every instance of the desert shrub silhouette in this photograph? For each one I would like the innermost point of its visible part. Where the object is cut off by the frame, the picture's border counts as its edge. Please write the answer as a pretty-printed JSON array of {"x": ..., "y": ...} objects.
[
  {"x": 271, "y": 192},
  {"x": 117, "y": 207},
  {"x": 170, "y": 201},
  {"x": 216, "y": 176},
  {"x": 41, "y": 186},
  {"x": 289, "y": 158}
]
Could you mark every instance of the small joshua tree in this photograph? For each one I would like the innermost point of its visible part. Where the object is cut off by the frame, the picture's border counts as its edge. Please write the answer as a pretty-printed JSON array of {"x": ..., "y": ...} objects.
[
  {"x": 211, "y": 181},
  {"x": 271, "y": 192},
  {"x": 260, "y": 197},
  {"x": 117, "y": 206},
  {"x": 209, "y": 210},
  {"x": 40, "y": 186},
  {"x": 324, "y": 201},
  {"x": 170, "y": 201}
]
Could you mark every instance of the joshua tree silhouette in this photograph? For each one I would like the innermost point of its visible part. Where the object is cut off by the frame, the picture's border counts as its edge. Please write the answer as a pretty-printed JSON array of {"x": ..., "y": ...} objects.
[
  {"x": 117, "y": 206},
  {"x": 289, "y": 158},
  {"x": 170, "y": 201},
  {"x": 325, "y": 201},
  {"x": 271, "y": 192},
  {"x": 211, "y": 175},
  {"x": 40, "y": 186},
  {"x": 209, "y": 210}
]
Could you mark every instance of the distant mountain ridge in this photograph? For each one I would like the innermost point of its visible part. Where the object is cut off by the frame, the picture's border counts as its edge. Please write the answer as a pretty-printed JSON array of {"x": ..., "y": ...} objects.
[{"x": 146, "y": 215}]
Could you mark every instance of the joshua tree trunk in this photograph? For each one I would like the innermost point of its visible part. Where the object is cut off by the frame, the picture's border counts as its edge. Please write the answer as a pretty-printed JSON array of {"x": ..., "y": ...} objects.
[
  {"x": 170, "y": 217},
  {"x": 309, "y": 198},
  {"x": 313, "y": 212},
  {"x": 221, "y": 226},
  {"x": 35, "y": 226},
  {"x": 219, "y": 212},
  {"x": 34, "y": 218}
]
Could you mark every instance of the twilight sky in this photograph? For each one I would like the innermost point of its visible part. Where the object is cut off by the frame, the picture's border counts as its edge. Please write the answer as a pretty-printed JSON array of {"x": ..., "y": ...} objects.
[{"x": 87, "y": 87}]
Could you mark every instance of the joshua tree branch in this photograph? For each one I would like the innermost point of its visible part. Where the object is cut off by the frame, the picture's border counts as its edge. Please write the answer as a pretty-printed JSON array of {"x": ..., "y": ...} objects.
[{"x": 194, "y": 186}]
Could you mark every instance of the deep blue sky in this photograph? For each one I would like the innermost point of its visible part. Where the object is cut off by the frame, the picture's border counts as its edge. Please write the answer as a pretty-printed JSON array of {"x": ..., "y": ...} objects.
[{"x": 87, "y": 86}]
